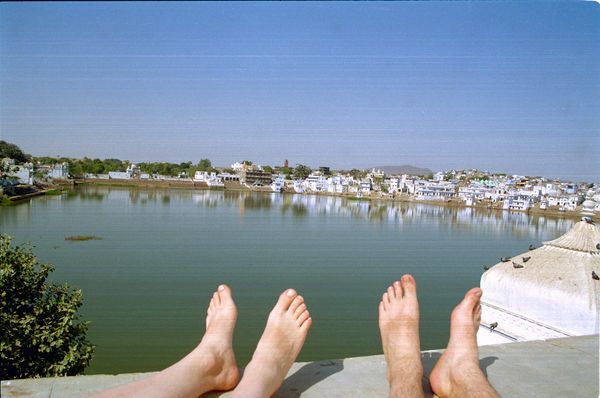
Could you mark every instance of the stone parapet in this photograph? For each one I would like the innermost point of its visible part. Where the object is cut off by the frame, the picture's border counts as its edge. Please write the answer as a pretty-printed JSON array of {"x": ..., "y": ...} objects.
[{"x": 565, "y": 367}]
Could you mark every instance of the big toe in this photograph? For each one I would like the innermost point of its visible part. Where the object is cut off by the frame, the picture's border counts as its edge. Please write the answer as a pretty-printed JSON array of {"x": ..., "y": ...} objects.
[
  {"x": 285, "y": 299},
  {"x": 409, "y": 286},
  {"x": 471, "y": 299},
  {"x": 225, "y": 294}
]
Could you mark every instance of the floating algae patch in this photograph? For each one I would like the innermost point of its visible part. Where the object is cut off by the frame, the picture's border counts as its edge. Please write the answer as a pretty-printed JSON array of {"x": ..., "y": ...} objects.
[
  {"x": 55, "y": 192},
  {"x": 79, "y": 238}
]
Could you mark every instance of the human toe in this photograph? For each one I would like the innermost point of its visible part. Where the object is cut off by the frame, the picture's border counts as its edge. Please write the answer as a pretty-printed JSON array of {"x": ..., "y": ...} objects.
[
  {"x": 224, "y": 293},
  {"x": 296, "y": 302},
  {"x": 302, "y": 317},
  {"x": 391, "y": 293},
  {"x": 397, "y": 288},
  {"x": 409, "y": 286},
  {"x": 472, "y": 298},
  {"x": 285, "y": 299}
]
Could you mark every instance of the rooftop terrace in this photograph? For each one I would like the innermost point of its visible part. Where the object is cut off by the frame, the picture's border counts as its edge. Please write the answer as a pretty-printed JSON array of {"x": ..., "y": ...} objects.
[{"x": 566, "y": 367}]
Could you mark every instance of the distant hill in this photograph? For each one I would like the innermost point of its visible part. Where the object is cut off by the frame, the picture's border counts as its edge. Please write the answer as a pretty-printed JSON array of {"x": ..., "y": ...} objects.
[{"x": 404, "y": 169}]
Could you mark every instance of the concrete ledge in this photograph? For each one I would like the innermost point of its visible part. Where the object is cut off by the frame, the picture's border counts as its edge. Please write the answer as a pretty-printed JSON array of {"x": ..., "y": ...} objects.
[{"x": 566, "y": 367}]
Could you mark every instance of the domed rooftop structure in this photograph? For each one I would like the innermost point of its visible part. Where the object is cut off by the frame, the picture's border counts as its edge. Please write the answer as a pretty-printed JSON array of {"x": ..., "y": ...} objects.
[{"x": 552, "y": 291}]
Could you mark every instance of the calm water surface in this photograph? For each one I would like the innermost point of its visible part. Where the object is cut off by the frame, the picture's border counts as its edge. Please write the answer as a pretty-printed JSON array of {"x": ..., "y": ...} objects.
[{"x": 146, "y": 284}]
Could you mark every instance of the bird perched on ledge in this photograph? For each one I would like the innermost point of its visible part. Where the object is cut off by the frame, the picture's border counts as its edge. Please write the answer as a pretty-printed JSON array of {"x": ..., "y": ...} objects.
[
  {"x": 505, "y": 259},
  {"x": 527, "y": 258},
  {"x": 595, "y": 276},
  {"x": 493, "y": 326},
  {"x": 515, "y": 265},
  {"x": 587, "y": 220},
  {"x": 531, "y": 247}
]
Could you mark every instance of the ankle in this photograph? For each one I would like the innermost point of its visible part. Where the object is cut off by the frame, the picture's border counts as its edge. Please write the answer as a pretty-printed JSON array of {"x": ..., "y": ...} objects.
[
  {"x": 404, "y": 373},
  {"x": 465, "y": 374},
  {"x": 411, "y": 387},
  {"x": 256, "y": 382}
]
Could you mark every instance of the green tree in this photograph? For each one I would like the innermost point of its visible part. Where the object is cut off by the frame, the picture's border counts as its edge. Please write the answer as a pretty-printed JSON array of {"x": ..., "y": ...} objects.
[
  {"x": 8, "y": 150},
  {"x": 204, "y": 165},
  {"x": 268, "y": 169},
  {"x": 358, "y": 174},
  {"x": 301, "y": 171},
  {"x": 75, "y": 168},
  {"x": 285, "y": 170},
  {"x": 40, "y": 332},
  {"x": 247, "y": 162}
]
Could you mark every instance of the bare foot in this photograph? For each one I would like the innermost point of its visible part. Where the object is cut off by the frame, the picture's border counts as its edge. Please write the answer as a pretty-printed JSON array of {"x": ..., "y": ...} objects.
[
  {"x": 216, "y": 348},
  {"x": 399, "y": 327},
  {"x": 457, "y": 373},
  {"x": 278, "y": 347},
  {"x": 210, "y": 366}
]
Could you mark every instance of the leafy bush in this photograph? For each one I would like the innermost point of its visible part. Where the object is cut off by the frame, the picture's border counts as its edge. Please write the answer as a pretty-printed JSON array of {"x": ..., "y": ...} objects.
[
  {"x": 8, "y": 150},
  {"x": 40, "y": 332}
]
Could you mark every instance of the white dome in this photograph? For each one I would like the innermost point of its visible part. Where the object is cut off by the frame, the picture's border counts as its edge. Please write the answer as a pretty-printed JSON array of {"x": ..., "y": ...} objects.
[{"x": 553, "y": 288}]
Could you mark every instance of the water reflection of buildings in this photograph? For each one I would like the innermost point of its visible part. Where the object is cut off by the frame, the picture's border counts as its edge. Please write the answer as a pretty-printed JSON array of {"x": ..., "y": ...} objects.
[
  {"x": 399, "y": 213},
  {"x": 396, "y": 213}
]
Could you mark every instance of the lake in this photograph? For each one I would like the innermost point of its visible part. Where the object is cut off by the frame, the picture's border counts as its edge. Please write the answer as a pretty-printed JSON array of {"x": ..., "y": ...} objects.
[{"x": 148, "y": 281}]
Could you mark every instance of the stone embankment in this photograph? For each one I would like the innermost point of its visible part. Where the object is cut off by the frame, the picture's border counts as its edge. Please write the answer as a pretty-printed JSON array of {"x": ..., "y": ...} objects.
[{"x": 566, "y": 367}]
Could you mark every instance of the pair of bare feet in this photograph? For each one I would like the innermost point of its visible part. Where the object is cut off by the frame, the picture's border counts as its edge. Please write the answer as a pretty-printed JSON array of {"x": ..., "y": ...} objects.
[
  {"x": 212, "y": 364},
  {"x": 280, "y": 344},
  {"x": 457, "y": 373}
]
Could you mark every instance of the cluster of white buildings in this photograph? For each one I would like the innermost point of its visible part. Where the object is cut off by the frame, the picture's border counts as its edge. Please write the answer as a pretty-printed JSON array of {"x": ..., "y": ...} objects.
[
  {"x": 512, "y": 192},
  {"x": 467, "y": 187},
  {"x": 24, "y": 173}
]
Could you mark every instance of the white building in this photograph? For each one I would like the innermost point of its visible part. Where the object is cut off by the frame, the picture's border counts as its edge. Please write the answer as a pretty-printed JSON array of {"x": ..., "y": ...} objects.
[
  {"x": 548, "y": 292},
  {"x": 119, "y": 175},
  {"x": 315, "y": 183},
  {"x": 518, "y": 202},
  {"x": 393, "y": 185},
  {"x": 365, "y": 187},
  {"x": 566, "y": 202},
  {"x": 497, "y": 194},
  {"x": 374, "y": 174},
  {"x": 337, "y": 184},
  {"x": 551, "y": 189},
  {"x": 439, "y": 176},
  {"x": 238, "y": 167},
  {"x": 473, "y": 192},
  {"x": 59, "y": 171},
  {"x": 426, "y": 190},
  {"x": 23, "y": 173},
  {"x": 211, "y": 179}
]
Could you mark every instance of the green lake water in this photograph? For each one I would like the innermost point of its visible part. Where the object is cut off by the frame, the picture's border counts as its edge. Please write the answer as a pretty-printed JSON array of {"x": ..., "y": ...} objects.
[{"x": 147, "y": 282}]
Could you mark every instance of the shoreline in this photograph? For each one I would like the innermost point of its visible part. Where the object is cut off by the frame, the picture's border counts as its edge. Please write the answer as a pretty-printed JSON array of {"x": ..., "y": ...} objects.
[
  {"x": 401, "y": 198},
  {"x": 201, "y": 186}
]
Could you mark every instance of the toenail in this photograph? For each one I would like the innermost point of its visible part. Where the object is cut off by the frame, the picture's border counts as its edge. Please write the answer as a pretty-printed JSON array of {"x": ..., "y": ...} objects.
[
  {"x": 290, "y": 292},
  {"x": 221, "y": 288}
]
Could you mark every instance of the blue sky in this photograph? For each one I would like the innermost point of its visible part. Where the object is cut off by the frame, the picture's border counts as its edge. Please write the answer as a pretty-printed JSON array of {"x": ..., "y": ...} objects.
[{"x": 499, "y": 86}]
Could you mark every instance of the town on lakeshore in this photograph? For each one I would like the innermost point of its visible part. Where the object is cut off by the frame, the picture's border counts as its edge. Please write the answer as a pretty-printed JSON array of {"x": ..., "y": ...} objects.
[{"x": 29, "y": 176}]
